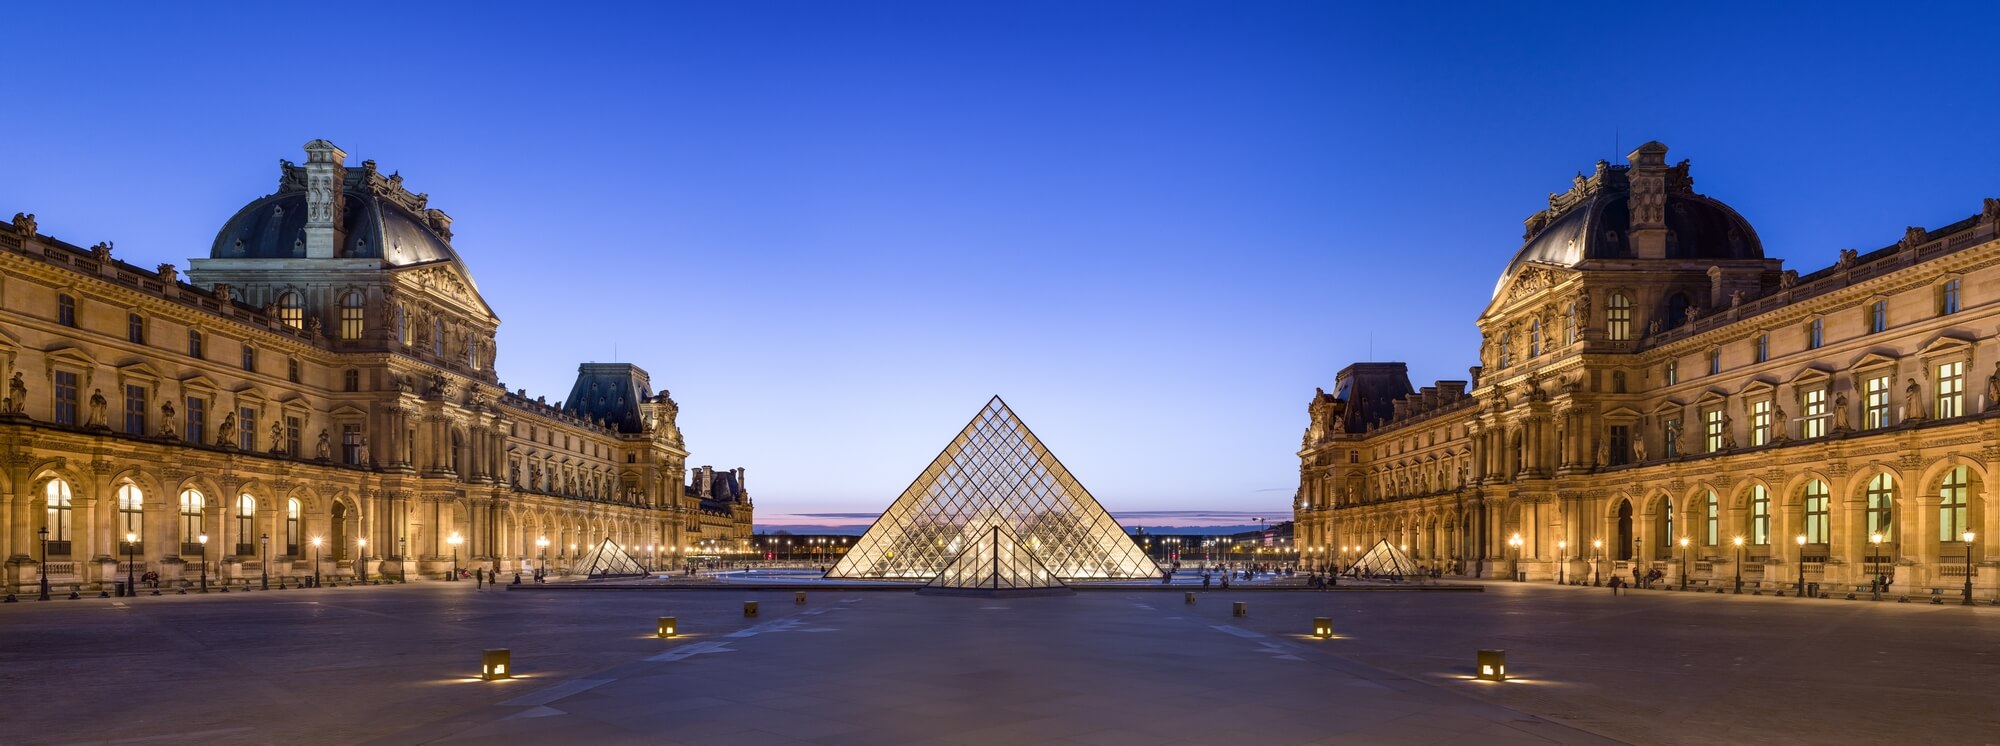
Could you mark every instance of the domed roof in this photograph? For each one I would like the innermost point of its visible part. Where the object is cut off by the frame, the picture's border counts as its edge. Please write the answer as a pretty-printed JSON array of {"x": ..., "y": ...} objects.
[
  {"x": 1593, "y": 221},
  {"x": 378, "y": 220}
]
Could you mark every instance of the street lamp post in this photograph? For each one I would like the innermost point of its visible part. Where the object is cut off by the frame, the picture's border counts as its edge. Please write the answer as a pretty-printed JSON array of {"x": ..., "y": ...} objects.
[
  {"x": 1738, "y": 541},
  {"x": 203, "y": 538},
  {"x": 1801, "y": 539},
  {"x": 1967, "y": 599},
  {"x": 649, "y": 558},
  {"x": 1562, "y": 568},
  {"x": 131, "y": 543},
  {"x": 44, "y": 533},
  {"x": 1875, "y": 562},
  {"x": 1596, "y": 549},
  {"x": 264, "y": 562},
  {"x": 1684, "y": 563},
  {"x": 363, "y": 559},
  {"x": 1515, "y": 542},
  {"x": 543, "y": 542},
  {"x": 454, "y": 540},
  {"x": 315, "y": 543}
]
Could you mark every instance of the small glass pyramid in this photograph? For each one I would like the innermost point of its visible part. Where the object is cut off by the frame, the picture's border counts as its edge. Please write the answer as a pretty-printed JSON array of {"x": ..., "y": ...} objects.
[
  {"x": 606, "y": 560},
  {"x": 996, "y": 473},
  {"x": 1383, "y": 559}
]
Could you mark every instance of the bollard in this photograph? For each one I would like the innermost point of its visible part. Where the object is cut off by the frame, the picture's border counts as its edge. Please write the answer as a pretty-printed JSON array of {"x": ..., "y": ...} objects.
[
  {"x": 1493, "y": 665},
  {"x": 668, "y": 627},
  {"x": 799, "y": 597},
  {"x": 749, "y": 608},
  {"x": 493, "y": 664},
  {"x": 1322, "y": 627},
  {"x": 1239, "y": 609},
  {"x": 1189, "y": 597}
]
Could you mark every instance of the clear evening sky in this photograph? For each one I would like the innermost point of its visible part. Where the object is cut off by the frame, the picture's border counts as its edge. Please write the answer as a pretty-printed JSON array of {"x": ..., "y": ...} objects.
[{"x": 834, "y": 229}]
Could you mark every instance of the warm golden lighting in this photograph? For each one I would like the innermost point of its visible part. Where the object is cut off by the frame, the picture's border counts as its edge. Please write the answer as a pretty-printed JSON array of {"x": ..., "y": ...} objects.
[
  {"x": 453, "y": 540},
  {"x": 203, "y": 538},
  {"x": 1874, "y": 538},
  {"x": 1968, "y": 537},
  {"x": 1801, "y": 539},
  {"x": 315, "y": 542},
  {"x": 1322, "y": 627},
  {"x": 1514, "y": 541},
  {"x": 669, "y": 626},
  {"x": 494, "y": 665},
  {"x": 1597, "y": 543},
  {"x": 1738, "y": 541},
  {"x": 1493, "y": 665},
  {"x": 1684, "y": 541},
  {"x": 131, "y": 537}
]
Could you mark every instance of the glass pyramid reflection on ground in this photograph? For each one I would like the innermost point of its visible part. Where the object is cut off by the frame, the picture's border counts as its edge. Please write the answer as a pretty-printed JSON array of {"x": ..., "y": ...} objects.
[{"x": 995, "y": 473}]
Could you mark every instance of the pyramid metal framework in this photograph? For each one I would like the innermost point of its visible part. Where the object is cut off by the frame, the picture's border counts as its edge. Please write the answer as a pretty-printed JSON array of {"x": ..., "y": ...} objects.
[
  {"x": 996, "y": 561},
  {"x": 1383, "y": 559},
  {"x": 606, "y": 560},
  {"x": 996, "y": 472}
]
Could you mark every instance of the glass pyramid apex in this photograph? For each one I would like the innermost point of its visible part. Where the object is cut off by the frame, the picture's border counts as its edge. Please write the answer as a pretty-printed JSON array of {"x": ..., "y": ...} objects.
[{"x": 995, "y": 474}]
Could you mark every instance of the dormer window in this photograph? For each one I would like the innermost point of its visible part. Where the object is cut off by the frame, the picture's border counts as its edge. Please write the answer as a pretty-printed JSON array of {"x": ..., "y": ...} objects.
[
  {"x": 1618, "y": 318},
  {"x": 292, "y": 310}
]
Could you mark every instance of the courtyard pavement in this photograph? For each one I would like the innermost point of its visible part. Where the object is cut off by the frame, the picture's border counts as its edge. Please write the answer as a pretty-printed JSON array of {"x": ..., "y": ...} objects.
[{"x": 398, "y": 665}]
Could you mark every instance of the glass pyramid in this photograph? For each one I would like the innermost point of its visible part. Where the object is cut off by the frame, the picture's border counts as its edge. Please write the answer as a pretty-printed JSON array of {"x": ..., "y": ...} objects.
[
  {"x": 995, "y": 473},
  {"x": 606, "y": 560},
  {"x": 1383, "y": 559},
  {"x": 995, "y": 561}
]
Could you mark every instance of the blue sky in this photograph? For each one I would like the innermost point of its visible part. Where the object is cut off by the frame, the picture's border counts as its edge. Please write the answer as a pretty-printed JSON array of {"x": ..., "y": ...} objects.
[{"x": 834, "y": 229}]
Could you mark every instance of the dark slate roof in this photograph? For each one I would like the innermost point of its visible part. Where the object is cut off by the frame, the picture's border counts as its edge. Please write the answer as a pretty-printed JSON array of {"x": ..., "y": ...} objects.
[
  {"x": 610, "y": 392},
  {"x": 273, "y": 227},
  {"x": 723, "y": 490},
  {"x": 1370, "y": 391}
]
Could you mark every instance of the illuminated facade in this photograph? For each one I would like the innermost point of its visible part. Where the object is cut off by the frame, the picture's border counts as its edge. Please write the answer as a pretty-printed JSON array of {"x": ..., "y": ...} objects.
[
  {"x": 326, "y": 372},
  {"x": 1648, "y": 376}
]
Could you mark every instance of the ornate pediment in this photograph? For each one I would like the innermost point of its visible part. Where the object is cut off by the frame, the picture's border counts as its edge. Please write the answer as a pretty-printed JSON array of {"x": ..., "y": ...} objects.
[{"x": 444, "y": 282}]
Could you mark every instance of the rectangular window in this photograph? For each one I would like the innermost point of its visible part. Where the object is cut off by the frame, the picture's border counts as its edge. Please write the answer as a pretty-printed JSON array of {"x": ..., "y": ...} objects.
[
  {"x": 1763, "y": 347},
  {"x": 1621, "y": 444},
  {"x": 1673, "y": 446},
  {"x": 1875, "y": 403},
  {"x": 1714, "y": 361},
  {"x": 1760, "y": 422},
  {"x": 1948, "y": 297},
  {"x": 1951, "y": 506},
  {"x": 246, "y": 429},
  {"x": 197, "y": 420},
  {"x": 1673, "y": 372},
  {"x": 293, "y": 432},
  {"x": 135, "y": 410},
  {"x": 1951, "y": 389},
  {"x": 1878, "y": 317},
  {"x": 135, "y": 328},
  {"x": 1618, "y": 318},
  {"x": 1818, "y": 523},
  {"x": 350, "y": 444},
  {"x": 66, "y": 311},
  {"x": 292, "y": 370},
  {"x": 250, "y": 358},
  {"x": 1712, "y": 428},
  {"x": 66, "y": 398},
  {"x": 194, "y": 343},
  {"x": 1815, "y": 334},
  {"x": 1813, "y": 422},
  {"x": 1760, "y": 516}
]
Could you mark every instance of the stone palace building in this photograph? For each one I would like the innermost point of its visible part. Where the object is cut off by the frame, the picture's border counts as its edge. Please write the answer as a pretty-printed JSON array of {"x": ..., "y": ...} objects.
[
  {"x": 321, "y": 385},
  {"x": 1652, "y": 388}
]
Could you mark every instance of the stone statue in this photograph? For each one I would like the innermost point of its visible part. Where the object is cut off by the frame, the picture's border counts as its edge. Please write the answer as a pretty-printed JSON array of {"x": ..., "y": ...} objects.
[
  {"x": 1673, "y": 436},
  {"x": 365, "y": 460},
  {"x": 225, "y": 434},
  {"x": 1317, "y": 411},
  {"x": 1583, "y": 310},
  {"x": 1993, "y": 389},
  {"x": 101, "y": 251},
  {"x": 97, "y": 410},
  {"x": 1639, "y": 449},
  {"x": 277, "y": 436},
  {"x": 1728, "y": 432},
  {"x": 167, "y": 420},
  {"x": 1693, "y": 312},
  {"x": 1603, "y": 452},
  {"x": 1847, "y": 257},
  {"x": 1735, "y": 298},
  {"x": 24, "y": 224},
  {"x": 1788, "y": 280},
  {"x": 1652, "y": 327},
  {"x": 440, "y": 386},
  {"x": 321, "y": 451},
  {"x": 1840, "y": 424},
  {"x": 1913, "y": 402},
  {"x": 17, "y": 394},
  {"x": 313, "y": 327},
  {"x": 1780, "y": 424}
]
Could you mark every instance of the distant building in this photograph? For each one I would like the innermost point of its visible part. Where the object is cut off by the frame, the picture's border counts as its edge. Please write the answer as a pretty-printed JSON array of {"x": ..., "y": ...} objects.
[
  {"x": 325, "y": 372},
  {"x": 1648, "y": 376}
]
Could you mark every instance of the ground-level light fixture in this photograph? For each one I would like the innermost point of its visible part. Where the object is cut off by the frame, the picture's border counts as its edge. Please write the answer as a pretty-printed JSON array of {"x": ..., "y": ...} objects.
[
  {"x": 1239, "y": 608},
  {"x": 799, "y": 597},
  {"x": 1322, "y": 627},
  {"x": 749, "y": 608},
  {"x": 1188, "y": 597},
  {"x": 669, "y": 627},
  {"x": 1492, "y": 665},
  {"x": 496, "y": 664}
]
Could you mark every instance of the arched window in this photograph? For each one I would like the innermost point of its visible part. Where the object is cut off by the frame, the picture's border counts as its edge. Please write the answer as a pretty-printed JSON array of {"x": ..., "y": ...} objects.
[
  {"x": 1952, "y": 504},
  {"x": 57, "y": 497},
  {"x": 293, "y": 527},
  {"x": 1760, "y": 515},
  {"x": 292, "y": 309},
  {"x": 1677, "y": 310},
  {"x": 1881, "y": 506},
  {"x": 246, "y": 523},
  {"x": 1618, "y": 318},
  {"x": 1818, "y": 525},
  {"x": 1671, "y": 536},
  {"x": 1506, "y": 349},
  {"x": 131, "y": 516},
  {"x": 1711, "y": 521},
  {"x": 353, "y": 322},
  {"x": 1534, "y": 339},
  {"x": 192, "y": 523}
]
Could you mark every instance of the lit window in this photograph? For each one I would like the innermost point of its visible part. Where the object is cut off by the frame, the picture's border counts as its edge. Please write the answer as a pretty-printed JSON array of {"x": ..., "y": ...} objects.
[
  {"x": 192, "y": 523},
  {"x": 1506, "y": 349},
  {"x": 1712, "y": 519},
  {"x": 1818, "y": 523},
  {"x": 1534, "y": 339},
  {"x": 1813, "y": 422},
  {"x": 1673, "y": 446},
  {"x": 1712, "y": 424},
  {"x": 1948, "y": 297},
  {"x": 131, "y": 516},
  {"x": 1673, "y": 372},
  {"x": 246, "y": 522},
  {"x": 292, "y": 310},
  {"x": 66, "y": 310},
  {"x": 1760, "y": 422},
  {"x": 293, "y": 527},
  {"x": 1618, "y": 318},
  {"x": 1878, "y": 316},
  {"x": 1952, "y": 505},
  {"x": 1881, "y": 505},
  {"x": 1569, "y": 325},
  {"x": 1951, "y": 389},
  {"x": 1875, "y": 403},
  {"x": 1760, "y": 515},
  {"x": 1763, "y": 347},
  {"x": 353, "y": 322},
  {"x": 56, "y": 497},
  {"x": 1815, "y": 334}
]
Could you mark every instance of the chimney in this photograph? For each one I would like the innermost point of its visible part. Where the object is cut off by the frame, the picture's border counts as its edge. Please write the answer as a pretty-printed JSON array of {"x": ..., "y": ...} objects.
[
  {"x": 326, "y": 175},
  {"x": 705, "y": 482},
  {"x": 1648, "y": 201}
]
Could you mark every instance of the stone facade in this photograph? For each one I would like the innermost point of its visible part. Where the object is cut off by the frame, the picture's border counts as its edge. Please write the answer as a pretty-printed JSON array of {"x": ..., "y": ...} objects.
[
  {"x": 1649, "y": 377},
  {"x": 327, "y": 372}
]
